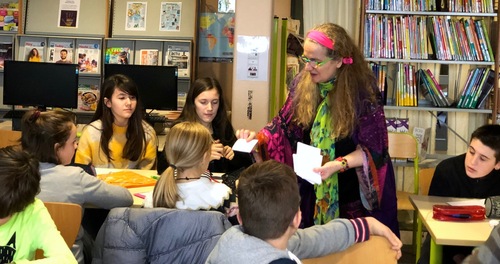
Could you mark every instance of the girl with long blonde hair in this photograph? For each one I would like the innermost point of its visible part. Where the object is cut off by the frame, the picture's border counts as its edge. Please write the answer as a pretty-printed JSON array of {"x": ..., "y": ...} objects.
[{"x": 186, "y": 184}]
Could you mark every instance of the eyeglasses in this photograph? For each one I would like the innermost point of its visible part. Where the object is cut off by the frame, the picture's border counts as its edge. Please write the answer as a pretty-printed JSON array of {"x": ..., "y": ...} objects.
[{"x": 315, "y": 64}]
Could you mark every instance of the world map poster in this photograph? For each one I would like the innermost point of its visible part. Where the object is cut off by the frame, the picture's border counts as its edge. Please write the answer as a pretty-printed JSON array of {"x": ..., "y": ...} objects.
[{"x": 216, "y": 42}]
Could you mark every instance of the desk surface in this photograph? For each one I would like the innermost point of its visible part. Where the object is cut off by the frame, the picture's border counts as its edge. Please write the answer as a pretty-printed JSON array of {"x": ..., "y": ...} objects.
[
  {"x": 471, "y": 233},
  {"x": 138, "y": 202}
]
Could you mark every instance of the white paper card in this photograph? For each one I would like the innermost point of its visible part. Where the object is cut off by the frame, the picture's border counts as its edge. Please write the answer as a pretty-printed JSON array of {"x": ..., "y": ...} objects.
[
  {"x": 306, "y": 150},
  {"x": 306, "y": 159},
  {"x": 479, "y": 202},
  {"x": 243, "y": 146}
]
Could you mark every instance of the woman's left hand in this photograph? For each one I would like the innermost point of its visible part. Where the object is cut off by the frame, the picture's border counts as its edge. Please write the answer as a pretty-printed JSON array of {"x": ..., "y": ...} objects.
[
  {"x": 246, "y": 134},
  {"x": 228, "y": 153},
  {"x": 328, "y": 169}
]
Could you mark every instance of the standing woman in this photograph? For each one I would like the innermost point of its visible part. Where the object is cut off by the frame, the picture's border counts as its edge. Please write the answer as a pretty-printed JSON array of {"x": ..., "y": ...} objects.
[
  {"x": 205, "y": 104},
  {"x": 334, "y": 104},
  {"x": 118, "y": 137}
]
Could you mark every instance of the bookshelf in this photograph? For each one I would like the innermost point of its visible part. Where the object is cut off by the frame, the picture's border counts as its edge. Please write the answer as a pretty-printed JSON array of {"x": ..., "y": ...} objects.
[
  {"x": 88, "y": 29},
  {"x": 450, "y": 72}
]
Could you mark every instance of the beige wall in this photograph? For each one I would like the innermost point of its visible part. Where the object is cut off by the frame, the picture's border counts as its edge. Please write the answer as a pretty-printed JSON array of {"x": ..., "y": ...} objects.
[{"x": 224, "y": 71}]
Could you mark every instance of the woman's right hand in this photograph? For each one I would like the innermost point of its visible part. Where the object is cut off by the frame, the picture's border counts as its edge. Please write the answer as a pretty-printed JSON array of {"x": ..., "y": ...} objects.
[{"x": 245, "y": 134}]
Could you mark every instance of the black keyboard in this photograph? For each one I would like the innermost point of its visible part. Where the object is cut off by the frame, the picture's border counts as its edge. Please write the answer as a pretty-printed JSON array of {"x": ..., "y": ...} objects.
[
  {"x": 152, "y": 119},
  {"x": 14, "y": 114}
]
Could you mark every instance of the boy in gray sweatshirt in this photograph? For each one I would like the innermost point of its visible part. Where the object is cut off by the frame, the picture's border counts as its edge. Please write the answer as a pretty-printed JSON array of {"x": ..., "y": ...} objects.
[{"x": 269, "y": 213}]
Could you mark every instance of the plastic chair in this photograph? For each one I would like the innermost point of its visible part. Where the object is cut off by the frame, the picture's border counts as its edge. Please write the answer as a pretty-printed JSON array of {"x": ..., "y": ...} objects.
[
  {"x": 67, "y": 217},
  {"x": 376, "y": 250},
  {"x": 405, "y": 146}
]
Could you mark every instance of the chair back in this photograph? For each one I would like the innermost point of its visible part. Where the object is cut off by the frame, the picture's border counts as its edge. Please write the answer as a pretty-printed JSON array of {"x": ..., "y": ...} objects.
[
  {"x": 377, "y": 250},
  {"x": 402, "y": 145},
  {"x": 9, "y": 138},
  {"x": 68, "y": 218},
  {"x": 405, "y": 146}
]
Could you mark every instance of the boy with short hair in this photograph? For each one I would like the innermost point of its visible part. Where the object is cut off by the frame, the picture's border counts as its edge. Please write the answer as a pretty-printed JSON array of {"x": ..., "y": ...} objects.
[
  {"x": 269, "y": 201},
  {"x": 474, "y": 174},
  {"x": 25, "y": 223}
]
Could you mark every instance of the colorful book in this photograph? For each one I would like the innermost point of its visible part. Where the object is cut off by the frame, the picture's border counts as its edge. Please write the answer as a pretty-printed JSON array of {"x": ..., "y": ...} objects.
[
  {"x": 117, "y": 55},
  {"x": 477, "y": 91},
  {"x": 89, "y": 58},
  {"x": 476, "y": 80},
  {"x": 179, "y": 56},
  {"x": 487, "y": 88},
  {"x": 149, "y": 56},
  {"x": 33, "y": 51},
  {"x": 61, "y": 52},
  {"x": 466, "y": 88},
  {"x": 437, "y": 89},
  {"x": 5, "y": 52},
  {"x": 88, "y": 97}
]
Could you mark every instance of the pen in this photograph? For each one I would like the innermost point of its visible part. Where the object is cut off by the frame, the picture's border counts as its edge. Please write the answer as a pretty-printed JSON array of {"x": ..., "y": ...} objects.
[{"x": 463, "y": 216}]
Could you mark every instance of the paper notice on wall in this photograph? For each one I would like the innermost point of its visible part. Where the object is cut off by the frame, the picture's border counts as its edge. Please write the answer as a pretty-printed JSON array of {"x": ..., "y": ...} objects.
[{"x": 253, "y": 54}]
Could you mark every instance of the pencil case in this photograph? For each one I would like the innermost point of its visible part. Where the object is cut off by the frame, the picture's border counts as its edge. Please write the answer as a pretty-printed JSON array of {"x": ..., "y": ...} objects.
[{"x": 458, "y": 213}]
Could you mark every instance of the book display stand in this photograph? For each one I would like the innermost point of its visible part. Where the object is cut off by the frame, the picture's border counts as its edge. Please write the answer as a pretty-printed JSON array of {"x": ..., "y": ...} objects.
[{"x": 92, "y": 33}]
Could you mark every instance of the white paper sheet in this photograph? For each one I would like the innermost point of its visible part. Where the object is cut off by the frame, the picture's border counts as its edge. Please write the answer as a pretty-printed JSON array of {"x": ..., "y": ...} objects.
[
  {"x": 243, "y": 146},
  {"x": 479, "y": 202},
  {"x": 306, "y": 159}
]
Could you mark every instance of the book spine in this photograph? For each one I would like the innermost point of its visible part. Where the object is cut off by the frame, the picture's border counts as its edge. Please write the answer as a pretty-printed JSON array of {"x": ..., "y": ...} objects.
[
  {"x": 437, "y": 87},
  {"x": 479, "y": 89},
  {"x": 466, "y": 88}
]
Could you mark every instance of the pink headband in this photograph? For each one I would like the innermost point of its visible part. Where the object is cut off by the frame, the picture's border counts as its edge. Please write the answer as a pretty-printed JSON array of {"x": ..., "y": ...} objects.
[{"x": 321, "y": 38}]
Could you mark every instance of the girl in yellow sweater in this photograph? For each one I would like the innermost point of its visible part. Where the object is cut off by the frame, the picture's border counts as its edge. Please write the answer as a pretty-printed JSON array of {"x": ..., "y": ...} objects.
[{"x": 118, "y": 137}]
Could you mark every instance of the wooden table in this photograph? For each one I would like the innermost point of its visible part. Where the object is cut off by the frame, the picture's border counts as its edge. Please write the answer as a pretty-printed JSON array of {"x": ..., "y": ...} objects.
[
  {"x": 471, "y": 233},
  {"x": 138, "y": 202}
]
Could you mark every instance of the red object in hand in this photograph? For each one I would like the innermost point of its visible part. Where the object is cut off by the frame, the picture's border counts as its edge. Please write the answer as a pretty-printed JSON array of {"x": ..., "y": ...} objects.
[{"x": 458, "y": 213}]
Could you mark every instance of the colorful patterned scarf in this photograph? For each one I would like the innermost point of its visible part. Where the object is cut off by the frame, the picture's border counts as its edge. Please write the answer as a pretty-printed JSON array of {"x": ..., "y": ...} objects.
[{"x": 327, "y": 199}]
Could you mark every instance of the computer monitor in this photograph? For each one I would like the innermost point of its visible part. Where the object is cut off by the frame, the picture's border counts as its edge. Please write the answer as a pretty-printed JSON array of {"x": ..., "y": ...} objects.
[
  {"x": 40, "y": 84},
  {"x": 157, "y": 85}
]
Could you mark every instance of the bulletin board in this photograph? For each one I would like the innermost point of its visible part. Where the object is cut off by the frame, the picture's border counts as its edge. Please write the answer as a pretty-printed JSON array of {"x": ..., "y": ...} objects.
[
  {"x": 89, "y": 18},
  {"x": 154, "y": 19}
]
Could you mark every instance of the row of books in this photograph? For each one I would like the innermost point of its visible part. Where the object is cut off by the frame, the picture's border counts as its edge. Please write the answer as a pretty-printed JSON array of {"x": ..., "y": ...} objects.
[
  {"x": 395, "y": 37},
  {"x": 175, "y": 56},
  {"x": 468, "y": 6},
  {"x": 460, "y": 39},
  {"x": 406, "y": 85},
  {"x": 479, "y": 84},
  {"x": 380, "y": 72},
  {"x": 88, "y": 55},
  {"x": 411, "y": 83},
  {"x": 407, "y": 37}
]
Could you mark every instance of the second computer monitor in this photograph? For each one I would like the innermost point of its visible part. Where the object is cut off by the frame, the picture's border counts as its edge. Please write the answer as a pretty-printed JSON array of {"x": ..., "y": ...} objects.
[{"x": 157, "y": 84}]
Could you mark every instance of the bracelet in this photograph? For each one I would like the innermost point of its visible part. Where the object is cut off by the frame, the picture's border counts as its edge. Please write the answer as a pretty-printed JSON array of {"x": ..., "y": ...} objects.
[{"x": 343, "y": 163}]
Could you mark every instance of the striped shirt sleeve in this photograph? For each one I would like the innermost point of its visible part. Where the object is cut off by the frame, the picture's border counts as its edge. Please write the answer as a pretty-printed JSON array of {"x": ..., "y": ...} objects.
[{"x": 361, "y": 229}]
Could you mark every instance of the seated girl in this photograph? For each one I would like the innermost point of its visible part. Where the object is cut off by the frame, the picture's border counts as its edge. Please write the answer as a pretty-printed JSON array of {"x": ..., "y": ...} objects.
[
  {"x": 205, "y": 105},
  {"x": 118, "y": 137},
  {"x": 51, "y": 138},
  {"x": 186, "y": 184}
]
